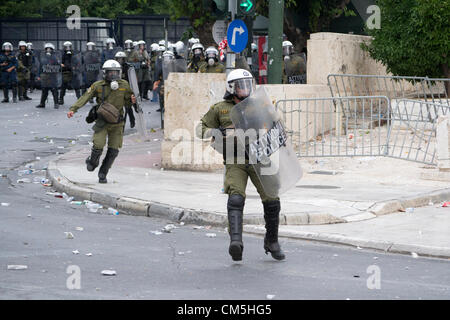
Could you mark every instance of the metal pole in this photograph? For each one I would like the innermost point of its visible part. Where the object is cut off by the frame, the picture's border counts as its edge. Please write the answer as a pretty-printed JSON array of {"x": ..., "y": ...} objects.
[
  {"x": 231, "y": 56},
  {"x": 275, "y": 54},
  {"x": 166, "y": 33}
]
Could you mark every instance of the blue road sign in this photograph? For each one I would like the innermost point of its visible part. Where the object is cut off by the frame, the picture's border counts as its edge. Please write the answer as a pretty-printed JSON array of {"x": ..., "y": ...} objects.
[{"x": 237, "y": 35}]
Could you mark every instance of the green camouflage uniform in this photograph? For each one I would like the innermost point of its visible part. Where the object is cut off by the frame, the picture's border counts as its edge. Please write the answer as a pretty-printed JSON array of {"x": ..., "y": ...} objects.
[
  {"x": 216, "y": 68},
  {"x": 119, "y": 98},
  {"x": 195, "y": 67},
  {"x": 236, "y": 175}
]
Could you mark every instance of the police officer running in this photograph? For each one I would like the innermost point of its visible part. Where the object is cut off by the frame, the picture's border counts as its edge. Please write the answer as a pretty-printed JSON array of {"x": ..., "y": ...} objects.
[
  {"x": 240, "y": 84},
  {"x": 112, "y": 94},
  {"x": 8, "y": 67}
]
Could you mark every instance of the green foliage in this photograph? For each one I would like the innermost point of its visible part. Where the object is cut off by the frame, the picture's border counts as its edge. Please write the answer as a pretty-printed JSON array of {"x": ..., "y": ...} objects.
[
  {"x": 109, "y": 9},
  {"x": 414, "y": 38}
]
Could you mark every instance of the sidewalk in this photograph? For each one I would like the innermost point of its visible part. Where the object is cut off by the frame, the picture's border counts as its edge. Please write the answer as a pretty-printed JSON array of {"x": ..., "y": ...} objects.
[{"x": 332, "y": 191}]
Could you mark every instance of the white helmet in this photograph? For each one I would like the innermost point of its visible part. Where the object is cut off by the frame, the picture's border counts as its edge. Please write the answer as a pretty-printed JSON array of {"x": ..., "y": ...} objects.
[
  {"x": 254, "y": 47},
  {"x": 29, "y": 46},
  {"x": 67, "y": 44},
  {"x": 120, "y": 54},
  {"x": 7, "y": 46},
  {"x": 154, "y": 47},
  {"x": 49, "y": 45},
  {"x": 193, "y": 40},
  {"x": 197, "y": 48},
  {"x": 287, "y": 48},
  {"x": 179, "y": 47},
  {"x": 211, "y": 55},
  {"x": 135, "y": 43},
  {"x": 240, "y": 83},
  {"x": 120, "y": 57},
  {"x": 128, "y": 44},
  {"x": 112, "y": 70},
  {"x": 168, "y": 55},
  {"x": 21, "y": 44},
  {"x": 161, "y": 48},
  {"x": 141, "y": 42},
  {"x": 162, "y": 42},
  {"x": 110, "y": 43},
  {"x": 90, "y": 46}
]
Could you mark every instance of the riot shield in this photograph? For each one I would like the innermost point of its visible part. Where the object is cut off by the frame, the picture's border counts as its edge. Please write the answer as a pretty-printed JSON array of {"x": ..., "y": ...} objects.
[
  {"x": 295, "y": 68},
  {"x": 140, "y": 120},
  {"x": 77, "y": 71},
  {"x": 36, "y": 62},
  {"x": 50, "y": 70},
  {"x": 174, "y": 65},
  {"x": 92, "y": 66},
  {"x": 261, "y": 133},
  {"x": 109, "y": 54}
]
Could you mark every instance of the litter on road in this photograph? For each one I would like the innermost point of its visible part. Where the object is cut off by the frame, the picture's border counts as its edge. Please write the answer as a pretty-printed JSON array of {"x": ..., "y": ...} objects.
[
  {"x": 69, "y": 235},
  {"x": 156, "y": 232},
  {"x": 17, "y": 267},
  {"x": 210, "y": 235},
  {"x": 109, "y": 272},
  {"x": 5, "y": 204}
]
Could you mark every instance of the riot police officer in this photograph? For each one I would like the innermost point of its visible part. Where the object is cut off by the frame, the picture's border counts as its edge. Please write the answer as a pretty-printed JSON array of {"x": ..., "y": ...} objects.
[
  {"x": 49, "y": 74},
  {"x": 121, "y": 58},
  {"x": 128, "y": 46},
  {"x": 141, "y": 62},
  {"x": 8, "y": 67},
  {"x": 240, "y": 84},
  {"x": 198, "y": 58},
  {"x": 71, "y": 72},
  {"x": 213, "y": 65},
  {"x": 34, "y": 67},
  {"x": 111, "y": 92},
  {"x": 294, "y": 65},
  {"x": 25, "y": 62},
  {"x": 110, "y": 51}
]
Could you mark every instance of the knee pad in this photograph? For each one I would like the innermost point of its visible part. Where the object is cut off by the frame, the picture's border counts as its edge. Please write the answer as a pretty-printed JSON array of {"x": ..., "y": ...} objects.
[{"x": 235, "y": 202}]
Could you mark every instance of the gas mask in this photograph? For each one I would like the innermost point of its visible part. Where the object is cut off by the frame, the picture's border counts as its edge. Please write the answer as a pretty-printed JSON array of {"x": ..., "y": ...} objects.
[
  {"x": 211, "y": 61},
  {"x": 48, "y": 51},
  {"x": 114, "y": 85}
]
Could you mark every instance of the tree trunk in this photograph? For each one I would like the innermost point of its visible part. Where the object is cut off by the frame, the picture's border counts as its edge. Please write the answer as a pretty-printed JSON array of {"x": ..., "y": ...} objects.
[{"x": 205, "y": 34}]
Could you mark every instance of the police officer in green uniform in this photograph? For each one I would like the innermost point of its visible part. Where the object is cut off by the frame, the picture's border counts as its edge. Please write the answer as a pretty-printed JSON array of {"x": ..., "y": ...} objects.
[
  {"x": 240, "y": 84},
  {"x": 25, "y": 60},
  {"x": 117, "y": 93},
  {"x": 213, "y": 65},
  {"x": 198, "y": 59},
  {"x": 294, "y": 65}
]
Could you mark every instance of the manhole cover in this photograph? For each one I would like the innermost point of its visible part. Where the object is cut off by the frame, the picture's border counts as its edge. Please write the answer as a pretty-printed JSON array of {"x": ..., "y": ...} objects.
[
  {"x": 328, "y": 173},
  {"x": 318, "y": 187}
]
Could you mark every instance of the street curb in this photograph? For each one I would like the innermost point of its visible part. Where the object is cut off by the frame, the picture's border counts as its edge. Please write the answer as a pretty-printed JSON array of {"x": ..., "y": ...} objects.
[{"x": 426, "y": 251}]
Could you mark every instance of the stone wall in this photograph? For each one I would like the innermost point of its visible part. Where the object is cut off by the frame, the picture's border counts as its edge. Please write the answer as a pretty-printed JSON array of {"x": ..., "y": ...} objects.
[{"x": 188, "y": 96}]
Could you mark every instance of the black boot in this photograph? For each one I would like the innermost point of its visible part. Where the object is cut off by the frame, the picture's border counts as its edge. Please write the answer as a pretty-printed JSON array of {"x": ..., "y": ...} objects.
[
  {"x": 62, "y": 93},
  {"x": 93, "y": 160},
  {"x": 14, "y": 92},
  {"x": 21, "y": 98},
  {"x": 43, "y": 98},
  {"x": 235, "y": 208},
  {"x": 145, "y": 90},
  {"x": 111, "y": 155},
  {"x": 5, "y": 95},
  {"x": 272, "y": 218},
  {"x": 25, "y": 96},
  {"x": 56, "y": 103},
  {"x": 78, "y": 93}
]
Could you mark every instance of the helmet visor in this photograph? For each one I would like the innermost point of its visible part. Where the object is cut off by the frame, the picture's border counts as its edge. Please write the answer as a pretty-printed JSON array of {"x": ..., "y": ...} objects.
[
  {"x": 111, "y": 75},
  {"x": 287, "y": 50},
  {"x": 243, "y": 88}
]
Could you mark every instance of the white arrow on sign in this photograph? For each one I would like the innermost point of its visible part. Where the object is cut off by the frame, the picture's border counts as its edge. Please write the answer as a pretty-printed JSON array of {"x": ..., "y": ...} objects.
[{"x": 240, "y": 30}]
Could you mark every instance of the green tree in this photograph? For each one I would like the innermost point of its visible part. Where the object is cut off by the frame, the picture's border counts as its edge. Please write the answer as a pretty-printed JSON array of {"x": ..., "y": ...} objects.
[{"x": 414, "y": 38}]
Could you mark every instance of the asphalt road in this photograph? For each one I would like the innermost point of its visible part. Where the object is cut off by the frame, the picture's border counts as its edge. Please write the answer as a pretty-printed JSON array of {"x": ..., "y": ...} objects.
[{"x": 183, "y": 264}]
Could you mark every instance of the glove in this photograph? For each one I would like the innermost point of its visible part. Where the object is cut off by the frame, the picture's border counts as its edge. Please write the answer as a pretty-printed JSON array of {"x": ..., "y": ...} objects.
[{"x": 131, "y": 116}]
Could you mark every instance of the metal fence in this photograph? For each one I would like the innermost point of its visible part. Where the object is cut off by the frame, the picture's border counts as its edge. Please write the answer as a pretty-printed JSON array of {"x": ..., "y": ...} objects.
[
  {"x": 40, "y": 31},
  {"x": 393, "y": 87},
  {"x": 363, "y": 126}
]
